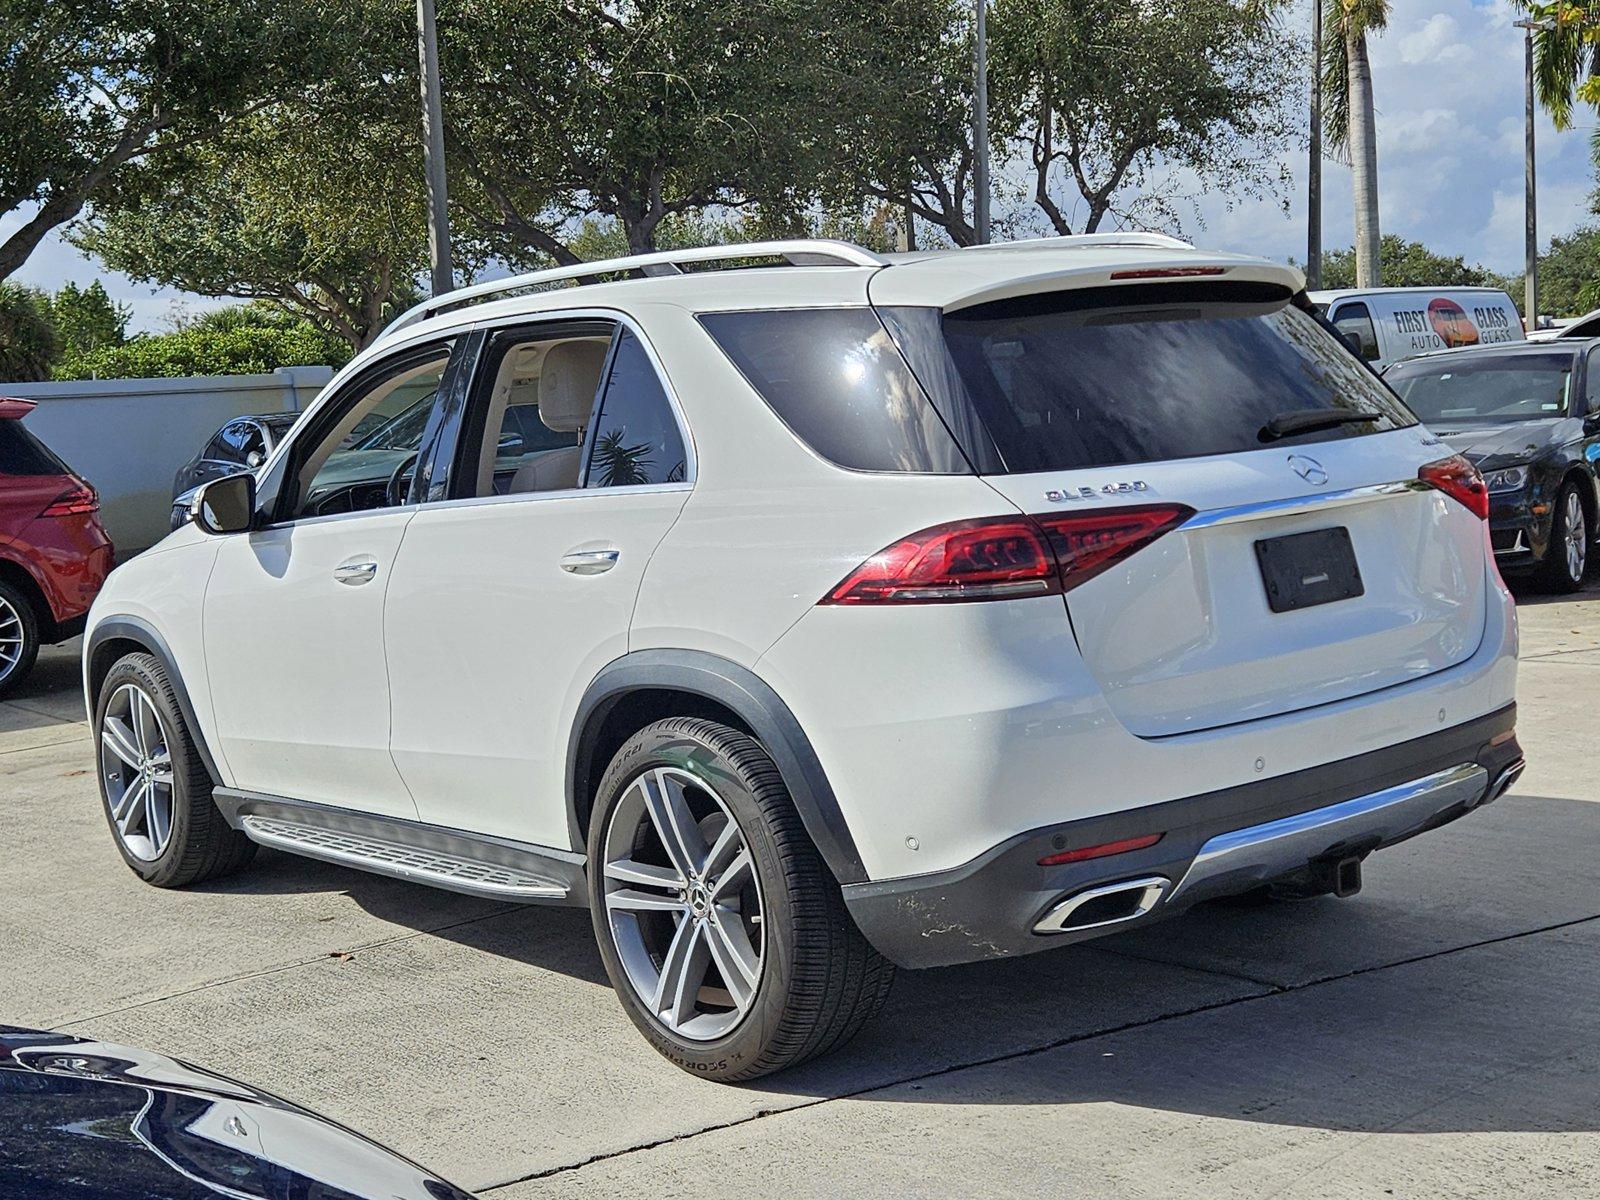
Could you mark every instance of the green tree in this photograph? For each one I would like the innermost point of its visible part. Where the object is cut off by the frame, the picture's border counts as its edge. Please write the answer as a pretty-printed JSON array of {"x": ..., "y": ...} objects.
[
  {"x": 1566, "y": 55},
  {"x": 28, "y": 342},
  {"x": 244, "y": 340},
  {"x": 1407, "y": 264},
  {"x": 96, "y": 88},
  {"x": 88, "y": 318},
  {"x": 316, "y": 210},
  {"x": 1349, "y": 115},
  {"x": 1569, "y": 273}
]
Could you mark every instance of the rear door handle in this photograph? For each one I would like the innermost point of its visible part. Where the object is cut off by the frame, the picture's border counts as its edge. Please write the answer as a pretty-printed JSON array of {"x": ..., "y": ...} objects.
[
  {"x": 357, "y": 572},
  {"x": 589, "y": 562}
]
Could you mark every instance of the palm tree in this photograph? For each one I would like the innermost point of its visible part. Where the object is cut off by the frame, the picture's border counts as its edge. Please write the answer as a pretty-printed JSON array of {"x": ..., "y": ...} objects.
[
  {"x": 1566, "y": 55},
  {"x": 1350, "y": 123}
]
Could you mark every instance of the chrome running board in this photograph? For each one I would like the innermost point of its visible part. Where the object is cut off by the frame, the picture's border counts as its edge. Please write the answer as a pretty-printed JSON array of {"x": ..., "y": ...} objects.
[
  {"x": 1237, "y": 861},
  {"x": 477, "y": 864},
  {"x": 403, "y": 862}
]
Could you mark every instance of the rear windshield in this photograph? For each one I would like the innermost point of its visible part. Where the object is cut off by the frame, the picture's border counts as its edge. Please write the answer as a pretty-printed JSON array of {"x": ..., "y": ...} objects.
[
  {"x": 1486, "y": 387},
  {"x": 1106, "y": 376},
  {"x": 23, "y": 454}
]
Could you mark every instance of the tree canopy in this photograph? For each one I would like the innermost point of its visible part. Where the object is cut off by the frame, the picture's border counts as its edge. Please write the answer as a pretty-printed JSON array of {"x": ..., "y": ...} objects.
[{"x": 1408, "y": 264}]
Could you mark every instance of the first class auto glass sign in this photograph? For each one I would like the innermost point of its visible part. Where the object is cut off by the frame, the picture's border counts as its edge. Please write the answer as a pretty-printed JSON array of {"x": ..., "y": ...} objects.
[{"x": 1122, "y": 488}]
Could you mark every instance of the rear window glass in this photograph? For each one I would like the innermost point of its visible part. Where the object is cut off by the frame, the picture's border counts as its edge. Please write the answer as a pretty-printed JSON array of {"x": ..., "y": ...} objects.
[
  {"x": 1107, "y": 376},
  {"x": 23, "y": 454},
  {"x": 834, "y": 376},
  {"x": 1492, "y": 387}
]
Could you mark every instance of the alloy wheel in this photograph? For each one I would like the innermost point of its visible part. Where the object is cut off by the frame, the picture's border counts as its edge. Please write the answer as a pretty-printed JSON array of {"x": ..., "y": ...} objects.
[
  {"x": 1576, "y": 539},
  {"x": 136, "y": 765},
  {"x": 683, "y": 904},
  {"x": 12, "y": 638}
]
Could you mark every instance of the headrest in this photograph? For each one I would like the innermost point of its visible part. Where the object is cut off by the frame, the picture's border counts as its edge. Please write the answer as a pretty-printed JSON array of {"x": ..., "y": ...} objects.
[{"x": 568, "y": 382}]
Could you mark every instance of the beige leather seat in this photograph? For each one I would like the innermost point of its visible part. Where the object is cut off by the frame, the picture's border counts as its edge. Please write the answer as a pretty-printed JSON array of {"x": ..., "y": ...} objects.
[{"x": 567, "y": 384}]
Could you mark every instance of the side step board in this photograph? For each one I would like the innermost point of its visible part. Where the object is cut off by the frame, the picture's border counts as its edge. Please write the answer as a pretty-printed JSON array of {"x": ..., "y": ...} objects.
[{"x": 495, "y": 868}]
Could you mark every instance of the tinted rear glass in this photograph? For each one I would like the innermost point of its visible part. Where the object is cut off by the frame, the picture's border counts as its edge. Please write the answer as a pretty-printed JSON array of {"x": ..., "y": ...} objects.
[
  {"x": 834, "y": 376},
  {"x": 1487, "y": 387},
  {"x": 23, "y": 454},
  {"x": 1107, "y": 376}
]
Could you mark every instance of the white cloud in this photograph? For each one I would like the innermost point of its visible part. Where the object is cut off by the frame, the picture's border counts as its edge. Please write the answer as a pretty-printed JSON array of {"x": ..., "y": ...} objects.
[{"x": 1433, "y": 41}]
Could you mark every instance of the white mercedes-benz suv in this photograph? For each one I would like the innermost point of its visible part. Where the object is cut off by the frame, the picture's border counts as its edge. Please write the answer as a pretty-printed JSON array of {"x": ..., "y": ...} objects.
[{"x": 803, "y": 611}]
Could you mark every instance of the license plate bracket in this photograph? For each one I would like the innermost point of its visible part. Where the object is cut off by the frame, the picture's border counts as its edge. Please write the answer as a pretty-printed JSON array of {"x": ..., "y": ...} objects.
[{"x": 1303, "y": 570}]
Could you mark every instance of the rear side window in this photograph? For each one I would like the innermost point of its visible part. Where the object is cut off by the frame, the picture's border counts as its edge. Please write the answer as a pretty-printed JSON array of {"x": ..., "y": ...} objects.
[
  {"x": 636, "y": 439},
  {"x": 1107, "y": 376},
  {"x": 23, "y": 454},
  {"x": 835, "y": 378}
]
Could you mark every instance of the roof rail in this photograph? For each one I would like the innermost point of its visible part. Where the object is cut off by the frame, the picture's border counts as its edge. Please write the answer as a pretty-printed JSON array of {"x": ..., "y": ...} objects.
[
  {"x": 1081, "y": 241},
  {"x": 797, "y": 252}
]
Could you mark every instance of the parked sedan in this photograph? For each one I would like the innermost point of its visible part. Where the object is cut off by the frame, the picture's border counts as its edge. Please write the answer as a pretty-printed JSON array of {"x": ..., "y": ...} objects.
[
  {"x": 54, "y": 553},
  {"x": 243, "y": 444},
  {"x": 1529, "y": 417},
  {"x": 90, "y": 1120}
]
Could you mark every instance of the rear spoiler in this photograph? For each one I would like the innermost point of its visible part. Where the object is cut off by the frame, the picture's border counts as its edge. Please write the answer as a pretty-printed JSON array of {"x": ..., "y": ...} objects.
[{"x": 14, "y": 409}]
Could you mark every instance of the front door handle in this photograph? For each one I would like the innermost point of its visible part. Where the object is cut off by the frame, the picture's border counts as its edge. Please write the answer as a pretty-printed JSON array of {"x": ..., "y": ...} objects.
[
  {"x": 357, "y": 572},
  {"x": 589, "y": 562}
]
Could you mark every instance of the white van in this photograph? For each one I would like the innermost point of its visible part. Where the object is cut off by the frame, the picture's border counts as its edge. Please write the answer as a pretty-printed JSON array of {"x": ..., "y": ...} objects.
[{"x": 1389, "y": 324}]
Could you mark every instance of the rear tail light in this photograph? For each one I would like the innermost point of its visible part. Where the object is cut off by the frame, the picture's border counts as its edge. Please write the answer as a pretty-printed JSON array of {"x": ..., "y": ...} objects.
[
  {"x": 1004, "y": 558},
  {"x": 1104, "y": 850},
  {"x": 1457, "y": 478},
  {"x": 78, "y": 499}
]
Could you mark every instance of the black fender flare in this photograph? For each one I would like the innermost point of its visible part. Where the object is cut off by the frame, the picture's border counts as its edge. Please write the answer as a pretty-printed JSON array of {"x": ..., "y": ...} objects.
[
  {"x": 133, "y": 629},
  {"x": 740, "y": 690}
]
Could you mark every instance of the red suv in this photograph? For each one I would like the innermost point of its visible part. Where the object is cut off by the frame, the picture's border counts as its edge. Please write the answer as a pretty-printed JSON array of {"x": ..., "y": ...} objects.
[{"x": 54, "y": 553}]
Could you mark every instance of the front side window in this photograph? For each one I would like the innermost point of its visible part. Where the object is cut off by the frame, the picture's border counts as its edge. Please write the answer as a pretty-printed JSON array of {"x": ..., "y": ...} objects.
[
  {"x": 365, "y": 456},
  {"x": 636, "y": 438},
  {"x": 1486, "y": 387},
  {"x": 1354, "y": 321}
]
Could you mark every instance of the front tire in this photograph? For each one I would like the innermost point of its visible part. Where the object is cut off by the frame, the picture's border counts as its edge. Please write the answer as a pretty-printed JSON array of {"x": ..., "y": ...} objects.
[
  {"x": 1566, "y": 556},
  {"x": 155, "y": 786},
  {"x": 721, "y": 928},
  {"x": 19, "y": 636}
]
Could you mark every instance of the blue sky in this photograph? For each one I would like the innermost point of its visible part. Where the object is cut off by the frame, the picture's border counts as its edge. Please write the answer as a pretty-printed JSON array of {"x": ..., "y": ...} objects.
[{"x": 1448, "y": 77}]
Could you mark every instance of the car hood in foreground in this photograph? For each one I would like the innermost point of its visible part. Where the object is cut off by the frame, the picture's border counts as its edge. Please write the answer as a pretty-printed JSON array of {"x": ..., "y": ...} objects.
[
  {"x": 1493, "y": 445},
  {"x": 87, "y": 1120}
]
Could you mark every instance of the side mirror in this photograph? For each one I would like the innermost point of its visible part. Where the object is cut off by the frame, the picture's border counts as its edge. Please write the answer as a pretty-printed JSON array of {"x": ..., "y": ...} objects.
[
  {"x": 226, "y": 505},
  {"x": 254, "y": 459}
]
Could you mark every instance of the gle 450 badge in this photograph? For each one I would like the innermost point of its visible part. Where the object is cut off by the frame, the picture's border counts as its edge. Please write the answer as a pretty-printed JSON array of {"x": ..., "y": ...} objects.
[{"x": 1127, "y": 488}]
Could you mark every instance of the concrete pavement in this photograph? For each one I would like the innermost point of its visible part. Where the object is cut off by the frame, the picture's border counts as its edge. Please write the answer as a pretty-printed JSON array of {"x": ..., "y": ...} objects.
[{"x": 1435, "y": 1036}]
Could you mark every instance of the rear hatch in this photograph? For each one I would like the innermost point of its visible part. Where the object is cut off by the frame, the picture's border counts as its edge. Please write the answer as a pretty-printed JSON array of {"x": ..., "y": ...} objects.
[{"x": 1254, "y": 424}]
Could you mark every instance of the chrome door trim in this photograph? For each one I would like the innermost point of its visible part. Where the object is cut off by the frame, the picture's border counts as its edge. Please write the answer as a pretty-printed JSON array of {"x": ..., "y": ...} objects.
[
  {"x": 589, "y": 562},
  {"x": 356, "y": 573}
]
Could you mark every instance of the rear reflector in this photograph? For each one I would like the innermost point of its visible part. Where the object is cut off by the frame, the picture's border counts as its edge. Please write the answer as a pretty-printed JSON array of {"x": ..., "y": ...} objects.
[
  {"x": 78, "y": 499},
  {"x": 1005, "y": 558},
  {"x": 1104, "y": 850},
  {"x": 1169, "y": 273},
  {"x": 1457, "y": 478}
]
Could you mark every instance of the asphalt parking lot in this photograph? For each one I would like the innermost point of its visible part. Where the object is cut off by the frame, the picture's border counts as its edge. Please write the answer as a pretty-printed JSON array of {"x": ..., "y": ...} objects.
[{"x": 1438, "y": 1035}]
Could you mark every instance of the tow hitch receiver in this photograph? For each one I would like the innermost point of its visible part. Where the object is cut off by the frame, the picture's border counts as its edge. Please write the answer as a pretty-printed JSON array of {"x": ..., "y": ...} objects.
[{"x": 1322, "y": 877}]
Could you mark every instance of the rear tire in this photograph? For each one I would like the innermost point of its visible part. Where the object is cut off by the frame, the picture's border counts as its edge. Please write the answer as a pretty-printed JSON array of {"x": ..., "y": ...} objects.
[
  {"x": 763, "y": 966},
  {"x": 1566, "y": 556},
  {"x": 19, "y": 636},
  {"x": 154, "y": 784}
]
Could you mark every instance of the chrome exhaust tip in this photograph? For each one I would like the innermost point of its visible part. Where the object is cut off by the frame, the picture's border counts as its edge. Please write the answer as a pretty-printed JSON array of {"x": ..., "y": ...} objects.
[
  {"x": 1108, "y": 904},
  {"x": 1501, "y": 783}
]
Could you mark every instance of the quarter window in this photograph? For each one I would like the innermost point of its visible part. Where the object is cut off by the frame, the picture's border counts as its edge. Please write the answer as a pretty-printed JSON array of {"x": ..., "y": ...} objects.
[{"x": 636, "y": 438}]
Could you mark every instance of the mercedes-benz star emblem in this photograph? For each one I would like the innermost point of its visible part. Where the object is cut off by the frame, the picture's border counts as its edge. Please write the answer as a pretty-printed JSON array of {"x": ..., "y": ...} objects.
[{"x": 1308, "y": 469}]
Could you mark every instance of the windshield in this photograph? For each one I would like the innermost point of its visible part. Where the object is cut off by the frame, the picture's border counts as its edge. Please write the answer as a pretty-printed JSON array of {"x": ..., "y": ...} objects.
[
  {"x": 404, "y": 432},
  {"x": 1492, "y": 387}
]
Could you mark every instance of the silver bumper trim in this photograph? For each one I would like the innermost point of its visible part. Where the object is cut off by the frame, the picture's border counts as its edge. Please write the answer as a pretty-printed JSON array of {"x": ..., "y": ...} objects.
[{"x": 1237, "y": 861}]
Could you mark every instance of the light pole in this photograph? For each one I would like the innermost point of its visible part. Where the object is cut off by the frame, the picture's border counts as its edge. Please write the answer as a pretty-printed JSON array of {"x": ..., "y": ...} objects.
[
  {"x": 1314, "y": 179},
  {"x": 1530, "y": 218},
  {"x": 433, "y": 150},
  {"x": 980, "y": 122}
]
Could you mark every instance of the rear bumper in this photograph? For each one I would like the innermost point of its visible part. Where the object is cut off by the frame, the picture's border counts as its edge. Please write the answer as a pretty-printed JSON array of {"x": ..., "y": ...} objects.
[{"x": 1216, "y": 844}]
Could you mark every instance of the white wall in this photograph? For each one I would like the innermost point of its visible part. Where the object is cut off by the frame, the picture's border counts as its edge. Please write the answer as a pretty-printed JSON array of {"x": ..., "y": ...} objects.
[{"x": 128, "y": 437}]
